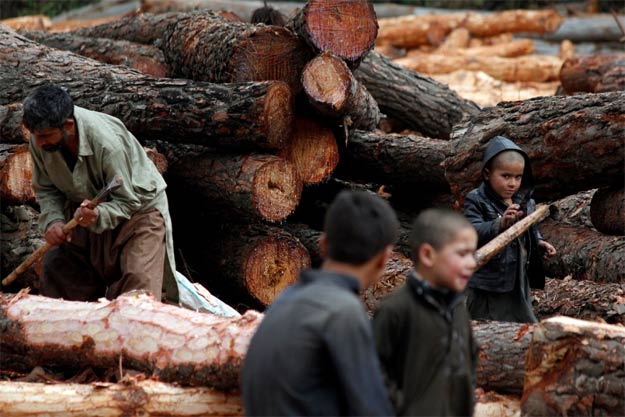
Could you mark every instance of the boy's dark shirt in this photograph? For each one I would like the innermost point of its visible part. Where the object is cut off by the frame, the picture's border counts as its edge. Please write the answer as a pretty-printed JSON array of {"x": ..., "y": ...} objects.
[
  {"x": 313, "y": 354},
  {"x": 426, "y": 348}
]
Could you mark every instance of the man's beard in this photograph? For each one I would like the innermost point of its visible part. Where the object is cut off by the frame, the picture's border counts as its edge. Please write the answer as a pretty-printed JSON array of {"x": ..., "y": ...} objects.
[{"x": 55, "y": 147}]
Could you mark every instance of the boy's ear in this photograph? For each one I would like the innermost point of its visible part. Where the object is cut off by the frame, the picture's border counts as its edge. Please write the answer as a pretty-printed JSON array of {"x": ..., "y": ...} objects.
[
  {"x": 323, "y": 246},
  {"x": 427, "y": 255},
  {"x": 486, "y": 173}
]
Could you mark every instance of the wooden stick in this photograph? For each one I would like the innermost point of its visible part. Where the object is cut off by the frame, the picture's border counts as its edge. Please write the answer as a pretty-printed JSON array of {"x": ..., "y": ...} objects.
[
  {"x": 102, "y": 195},
  {"x": 492, "y": 248}
]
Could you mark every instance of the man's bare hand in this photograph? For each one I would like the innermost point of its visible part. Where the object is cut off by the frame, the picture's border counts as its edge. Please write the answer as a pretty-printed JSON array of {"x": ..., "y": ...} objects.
[
  {"x": 55, "y": 236},
  {"x": 547, "y": 249},
  {"x": 510, "y": 216},
  {"x": 84, "y": 215}
]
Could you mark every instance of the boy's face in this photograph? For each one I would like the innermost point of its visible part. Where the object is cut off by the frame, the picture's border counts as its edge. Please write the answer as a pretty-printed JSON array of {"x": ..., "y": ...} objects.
[
  {"x": 505, "y": 178},
  {"x": 454, "y": 263}
]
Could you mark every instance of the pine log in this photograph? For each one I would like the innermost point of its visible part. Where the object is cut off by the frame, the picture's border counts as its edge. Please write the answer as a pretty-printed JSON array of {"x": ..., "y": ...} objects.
[
  {"x": 129, "y": 398},
  {"x": 165, "y": 341},
  {"x": 69, "y": 25},
  {"x": 410, "y": 31},
  {"x": 506, "y": 50},
  {"x": 16, "y": 175},
  {"x": 11, "y": 128},
  {"x": 420, "y": 103},
  {"x": 614, "y": 79},
  {"x": 35, "y": 22},
  {"x": 558, "y": 134},
  {"x": 393, "y": 277},
  {"x": 346, "y": 29},
  {"x": 587, "y": 74},
  {"x": 593, "y": 28},
  {"x": 586, "y": 300},
  {"x": 312, "y": 150},
  {"x": 607, "y": 210},
  {"x": 309, "y": 237},
  {"x": 492, "y": 404},
  {"x": 457, "y": 39},
  {"x": 537, "y": 68},
  {"x": 19, "y": 238},
  {"x": 574, "y": 210},
  {"x": 259, "y": 187},
  {"x": 491, "y": 40},
  {"x": 575, "y": 368},
  {"x": 396, "y": 159},
  {"x": 334, "y": 92},
  {"x": 207, "y": 47},
  {"x": 144, "y": 58}
]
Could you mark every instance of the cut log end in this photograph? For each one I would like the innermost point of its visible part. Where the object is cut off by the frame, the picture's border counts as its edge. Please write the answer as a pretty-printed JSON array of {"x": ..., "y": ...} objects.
[
  {"x": 273, "y": 265},
  {"x": 327, "y": 80},
  {"x": 278, "y": 114},
  {"x": 347, "y": 29},
  {"x": 16, "y": 175},
  {"x": 276, "y": 190}
]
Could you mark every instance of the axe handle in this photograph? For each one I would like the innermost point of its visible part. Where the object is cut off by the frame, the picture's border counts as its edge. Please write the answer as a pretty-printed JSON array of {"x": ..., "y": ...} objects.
[{"x": 102, "y": 195}]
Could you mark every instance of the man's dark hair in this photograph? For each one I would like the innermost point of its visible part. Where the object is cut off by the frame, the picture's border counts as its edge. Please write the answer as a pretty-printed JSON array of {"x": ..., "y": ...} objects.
[
  {"x": 358, "y": 226},
  {"x": 268, "y": 15},
  {"x": 47, "y": 106},
  {"x": 437, "y": 227}
]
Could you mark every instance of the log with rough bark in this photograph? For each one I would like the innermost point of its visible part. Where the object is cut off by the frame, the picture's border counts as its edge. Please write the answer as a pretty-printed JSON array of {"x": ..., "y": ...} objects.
[
  {"x": 207, "y": 47},
  {"x": 312, "y": 150},
  {"x": 16, "y": 167},
  {"x": 334, "y": 92},
  {"x": 574, "y": 143},
  {"x": 586, "y": 300},
  {"x": 591, "y": 74},
  {"x": 508, "y": 49},
  {"x": 607, "y": 210},
  {"x": 36, "y": 22},
  {"x": 128, "y": 398},
  {"x": 574, "y": 210},
  {"x": 145, "y": 58},
  {"x": 395, "y": 159},
  {"x": 393, "y": 277},
  {"x": 575, "y": 368},
  {"x": 165, "y": 341},
  {"x": 538, "y": 68},
  {"x": 260, "y": 187},
  {"x": 420, "y": 103},
  {"x": 410, "y": 31},
  {"x": 11, "y": 128},
  {"x": 346, "y": 29}
]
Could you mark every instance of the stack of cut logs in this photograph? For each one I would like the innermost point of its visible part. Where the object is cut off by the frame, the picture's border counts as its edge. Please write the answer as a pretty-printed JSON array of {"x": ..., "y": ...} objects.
[{"x": 256, "y": 129}]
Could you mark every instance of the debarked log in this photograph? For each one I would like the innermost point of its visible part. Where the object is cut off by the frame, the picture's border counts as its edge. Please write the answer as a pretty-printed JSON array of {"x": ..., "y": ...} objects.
[
  {"x": 16, "y": 172},
  {"x": 165, "y": 341}
]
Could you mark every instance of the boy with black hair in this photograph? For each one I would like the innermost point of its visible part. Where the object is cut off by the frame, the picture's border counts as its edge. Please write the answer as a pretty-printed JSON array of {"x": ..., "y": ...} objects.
[
  {"x": 422, "y": 330},
  {"x": 500, "y": 290},
  {"x": 313, "y": 353}
]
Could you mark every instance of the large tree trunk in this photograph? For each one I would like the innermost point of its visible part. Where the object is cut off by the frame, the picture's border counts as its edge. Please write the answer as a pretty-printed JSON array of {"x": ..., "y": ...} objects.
[
  {"x": 393, "y": 277},
  {"x": 168, "y": 342},
  {"x": 145, "y": 58},
  {"x": 205, "y": 46},
  {"x": 418, "y": 102},
  {"x": 334, "y": 92},
  {"x": 16, "y": 171},
  {"x": 260, "y": 187},
  {"x": 396, "y": 159},
  {"x": 607, "y": 210},
  {"x": 11, "y": 128},
  {"x": 575, "y": 143},
  {"x": 346, "y": 29},
  {"x": 586, "y": 74},
  {"x": 309, "y": 237},
  {"x": 312, "y": 150},
  {"x": 575, "y": 368},
  {"x": 537, "y": 68},
  {"x": 129, "y": 398}
]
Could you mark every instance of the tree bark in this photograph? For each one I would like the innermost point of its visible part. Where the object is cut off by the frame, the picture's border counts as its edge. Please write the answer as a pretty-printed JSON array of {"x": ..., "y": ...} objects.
[
  {"x": 130, "y": 398},
  {"x": 396, "y": 159},
  {"x": 11, "y": 128},
  {"x": 167, "y": 342},
  {"x": 607, "y": 210},
  {"x": 587, "y": 74},
  {"x": 410, "y": 31},
  {"x": 144, "y": 58},
  {"x": 393, "y": 277},
  {"x": 334, "y": 92},
  {"x": 575, "y": 143},
  {"x": 574, "y": 368},
  {"x": 538, "y": 68},
  {"x": 420, "y": 103},
  {"x": 347, "y": 29},
  {"x": 260, "y": 187},
  {"x": 16, "y": 168},
  {"x": 309, "y": 237},
  {"x": 312, "y": 150}
]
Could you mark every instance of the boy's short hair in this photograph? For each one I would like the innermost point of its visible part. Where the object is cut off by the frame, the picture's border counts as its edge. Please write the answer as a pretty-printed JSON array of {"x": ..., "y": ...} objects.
[
  {"x": 47, "y": 106},
  {"x": 359, "y": 225},
  {"x": 505, "y": 157},
  {"x": 437, "y": 227}
]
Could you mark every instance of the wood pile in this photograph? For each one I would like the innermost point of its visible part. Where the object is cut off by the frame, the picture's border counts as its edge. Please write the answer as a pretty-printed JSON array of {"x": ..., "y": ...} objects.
[{"x": 256, "y": 129}]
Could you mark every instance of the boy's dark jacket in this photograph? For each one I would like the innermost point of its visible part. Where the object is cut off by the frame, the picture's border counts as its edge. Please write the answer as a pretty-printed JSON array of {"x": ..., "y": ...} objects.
[
  {"x": 484, "y": 209},
  {"x": 426, "y": 349}
]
